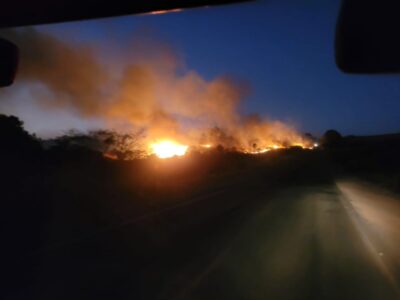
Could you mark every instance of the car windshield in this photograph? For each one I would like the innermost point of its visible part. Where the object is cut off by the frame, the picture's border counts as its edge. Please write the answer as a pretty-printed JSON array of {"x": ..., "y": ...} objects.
[{"x": 207, "y": 153}]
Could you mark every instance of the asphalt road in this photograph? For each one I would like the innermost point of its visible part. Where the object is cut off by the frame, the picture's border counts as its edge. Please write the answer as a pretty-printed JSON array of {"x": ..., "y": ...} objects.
[
  {"x": 315, "y": 242},
  {"x": 333, "y": 241}
]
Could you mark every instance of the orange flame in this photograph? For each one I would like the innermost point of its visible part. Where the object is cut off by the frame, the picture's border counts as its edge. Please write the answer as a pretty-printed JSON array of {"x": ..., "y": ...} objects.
[{"x": 168, "y": 148}]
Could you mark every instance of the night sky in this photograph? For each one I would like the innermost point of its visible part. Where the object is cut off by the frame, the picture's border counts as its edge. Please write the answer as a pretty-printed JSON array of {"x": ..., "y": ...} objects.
[{"x": 282, "y": 49}]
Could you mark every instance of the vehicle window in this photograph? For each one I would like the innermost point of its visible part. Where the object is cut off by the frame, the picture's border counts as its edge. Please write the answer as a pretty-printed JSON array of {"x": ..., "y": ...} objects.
[{"x": 208, "y": 153}]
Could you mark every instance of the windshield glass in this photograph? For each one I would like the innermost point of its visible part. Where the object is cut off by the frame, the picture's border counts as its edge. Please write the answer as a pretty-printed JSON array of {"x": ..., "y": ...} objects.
[{"x": 215, "y": 152}]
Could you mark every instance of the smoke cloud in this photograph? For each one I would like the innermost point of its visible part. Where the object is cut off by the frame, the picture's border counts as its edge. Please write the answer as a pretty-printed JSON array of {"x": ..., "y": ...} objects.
[{"x": 152, "y": 92}]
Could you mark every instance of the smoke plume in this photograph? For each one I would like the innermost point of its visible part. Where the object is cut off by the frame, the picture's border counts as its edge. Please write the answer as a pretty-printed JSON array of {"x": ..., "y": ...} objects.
[{"x": 152, "y": 92}]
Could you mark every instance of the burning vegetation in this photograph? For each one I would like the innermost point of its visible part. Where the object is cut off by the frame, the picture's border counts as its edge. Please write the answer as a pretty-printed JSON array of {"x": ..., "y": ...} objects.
[
  {"x": 173, "y": 108},
  {"x": 167, "y": 149}
]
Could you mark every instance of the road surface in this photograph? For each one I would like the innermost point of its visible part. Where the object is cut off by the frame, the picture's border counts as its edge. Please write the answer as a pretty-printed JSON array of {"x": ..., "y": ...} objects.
[
  {"x": 328, "y": 241},
  {"x": 320, "y": 242}
]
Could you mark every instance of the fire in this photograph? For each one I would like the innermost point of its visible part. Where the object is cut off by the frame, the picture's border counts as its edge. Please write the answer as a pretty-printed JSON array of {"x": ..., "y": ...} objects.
[
  {"x": 167, "y": 148},
  {"x": 110, "y": 155},
  {"x": 207, "y": 146},
  {"x": 261, "y": 151}
]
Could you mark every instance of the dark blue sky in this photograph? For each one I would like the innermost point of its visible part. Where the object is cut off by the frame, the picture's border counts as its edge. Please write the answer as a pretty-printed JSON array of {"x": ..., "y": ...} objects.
[{"x": 283, "y": 49}]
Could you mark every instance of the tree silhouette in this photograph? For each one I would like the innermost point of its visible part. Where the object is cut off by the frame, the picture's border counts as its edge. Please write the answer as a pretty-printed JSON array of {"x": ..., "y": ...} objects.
[
  {"x": 124, "y": 146},
  {"x": 14, "y": 139},
  {"x": 331, "y": 138}
]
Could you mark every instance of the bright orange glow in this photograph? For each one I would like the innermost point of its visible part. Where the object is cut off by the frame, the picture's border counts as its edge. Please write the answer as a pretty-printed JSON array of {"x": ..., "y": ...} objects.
[
  {"x": 277, "y": 147},
  {"x": 110, "y": 156},
  {"x": 259, "y": 151},
  {"x": 206, "y": 146},
  {"x": 161, "y": 12},
  {"x": 167, "y": 148}
]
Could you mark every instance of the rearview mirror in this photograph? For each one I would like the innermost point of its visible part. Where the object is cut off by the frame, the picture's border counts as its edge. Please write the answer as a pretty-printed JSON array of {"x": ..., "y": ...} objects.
[
  {"x": 8, "y": 62},
  {"x": 367, "y": 36}
]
